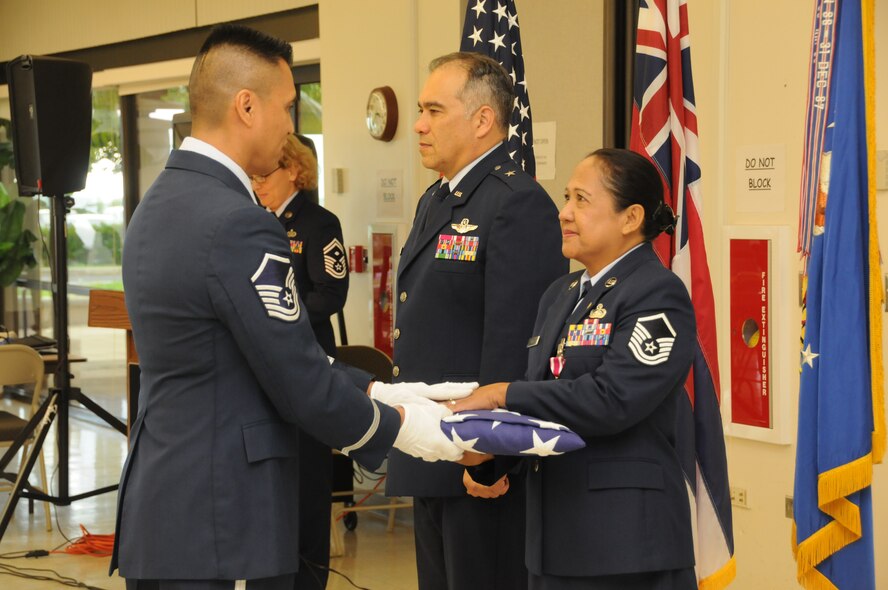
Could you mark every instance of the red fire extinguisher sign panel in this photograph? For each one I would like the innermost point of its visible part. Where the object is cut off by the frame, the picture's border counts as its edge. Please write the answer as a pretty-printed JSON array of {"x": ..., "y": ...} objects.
[{"x": 750, "y": 330}]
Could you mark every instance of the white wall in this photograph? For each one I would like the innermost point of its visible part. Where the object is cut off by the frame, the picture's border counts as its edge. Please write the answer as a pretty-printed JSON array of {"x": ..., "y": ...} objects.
[
  {"x": 362, "y": 48},
  {"x": 564, "y": 77}
]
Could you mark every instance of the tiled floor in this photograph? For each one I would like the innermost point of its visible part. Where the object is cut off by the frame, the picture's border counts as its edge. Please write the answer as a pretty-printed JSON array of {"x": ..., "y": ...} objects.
[{"x": 374, "y": 558}]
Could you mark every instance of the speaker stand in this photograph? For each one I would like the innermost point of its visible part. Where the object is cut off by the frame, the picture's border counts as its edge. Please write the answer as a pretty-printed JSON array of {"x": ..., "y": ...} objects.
[{"x": 57, "y": 403}]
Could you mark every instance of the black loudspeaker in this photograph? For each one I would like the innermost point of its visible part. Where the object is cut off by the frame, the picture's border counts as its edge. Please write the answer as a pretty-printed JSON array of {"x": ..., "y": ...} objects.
[{"x": 51, "y": 108}]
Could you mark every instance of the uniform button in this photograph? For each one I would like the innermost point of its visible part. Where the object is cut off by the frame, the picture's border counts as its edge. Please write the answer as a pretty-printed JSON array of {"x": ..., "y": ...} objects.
[
  {"x": 403, "y": 296},
  {"x": 396, "y": 370},
  {"x": 397, "y": 333},
  {"x": 536, "y": 465}
]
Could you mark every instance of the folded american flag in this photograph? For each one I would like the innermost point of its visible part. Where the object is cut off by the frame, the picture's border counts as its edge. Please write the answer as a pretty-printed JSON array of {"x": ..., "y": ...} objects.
[{"x": 501, "y": 432}]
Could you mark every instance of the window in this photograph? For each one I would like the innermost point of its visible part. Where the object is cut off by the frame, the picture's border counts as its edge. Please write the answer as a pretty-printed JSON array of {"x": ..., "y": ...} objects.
[{"x": 309, "y": 119}]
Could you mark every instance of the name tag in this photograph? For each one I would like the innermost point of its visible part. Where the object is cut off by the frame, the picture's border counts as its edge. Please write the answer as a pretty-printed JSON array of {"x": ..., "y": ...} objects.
[
  {"x": 463, "y": 248},
  {"x": 589, "y": 333},
  {"x": 533, "y": 342}
]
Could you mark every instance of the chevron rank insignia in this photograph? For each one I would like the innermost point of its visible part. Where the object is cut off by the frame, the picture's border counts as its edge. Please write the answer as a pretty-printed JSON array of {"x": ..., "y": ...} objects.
[
  {"x": 275, "y": 284},
  {"x": 463, "y": 226},
  {"x": 334, "y": 259},
  {"x": 652, "y": 339}
]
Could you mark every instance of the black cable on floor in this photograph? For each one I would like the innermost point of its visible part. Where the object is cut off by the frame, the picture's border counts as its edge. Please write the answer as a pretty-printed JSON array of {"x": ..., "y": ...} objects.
[
  {"x": 332, "y": 571},
  {"x": 16, "y": 572},
  {"x": 55, "y": 511}
]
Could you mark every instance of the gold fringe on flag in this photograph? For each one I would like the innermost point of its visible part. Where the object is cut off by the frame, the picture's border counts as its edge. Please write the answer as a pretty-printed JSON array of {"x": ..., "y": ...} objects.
[
  {"x": 875, "y": 289},
  {"x": 721, "y": 578},
  {"x": 832, "y": 489}
]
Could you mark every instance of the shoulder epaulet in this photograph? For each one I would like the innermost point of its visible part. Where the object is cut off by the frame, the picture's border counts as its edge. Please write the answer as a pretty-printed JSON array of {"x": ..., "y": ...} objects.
[
  {"x": 510, "y": 173},
  {"x": 322, "y": 212}
]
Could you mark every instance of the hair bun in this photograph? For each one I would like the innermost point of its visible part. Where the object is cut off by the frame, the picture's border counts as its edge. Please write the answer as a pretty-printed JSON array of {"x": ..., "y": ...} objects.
[{"x": 664, "y": 218}]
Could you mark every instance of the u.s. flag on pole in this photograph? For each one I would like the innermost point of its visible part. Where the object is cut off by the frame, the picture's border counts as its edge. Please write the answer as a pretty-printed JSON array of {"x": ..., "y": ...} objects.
[
  {"x": 491, "y": 28},
  {"x": 664, "y": 130},
  {"x": 841, "y": 431}
]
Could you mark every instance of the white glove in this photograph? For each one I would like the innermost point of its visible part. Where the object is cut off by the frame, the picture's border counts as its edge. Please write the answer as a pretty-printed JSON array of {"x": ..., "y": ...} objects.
[
  {"x": 421, "y": 435},
  {"x": 395, "y": 393}
]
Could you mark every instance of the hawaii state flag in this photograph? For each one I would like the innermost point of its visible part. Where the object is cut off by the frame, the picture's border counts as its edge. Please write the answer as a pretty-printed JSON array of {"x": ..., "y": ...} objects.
[
  {"x": 664, "y": 130},
  {"x": 841, "y": 430}
]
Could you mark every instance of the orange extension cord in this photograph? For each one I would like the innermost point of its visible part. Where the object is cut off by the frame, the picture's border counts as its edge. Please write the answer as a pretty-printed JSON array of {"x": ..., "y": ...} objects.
[
  {"x": 90, "y": 544},
  {"x": 341, "y": 516},
  {"x": 103, "y": 545}
]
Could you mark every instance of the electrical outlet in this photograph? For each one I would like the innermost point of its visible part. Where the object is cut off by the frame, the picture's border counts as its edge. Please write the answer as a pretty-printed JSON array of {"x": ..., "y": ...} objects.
[
  {"x": 738, "y": 497},
  {"x": 789, "y": 513}
]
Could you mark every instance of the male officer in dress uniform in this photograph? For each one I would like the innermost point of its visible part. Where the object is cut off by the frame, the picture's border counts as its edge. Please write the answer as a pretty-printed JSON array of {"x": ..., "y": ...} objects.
[
  {"x": 485, "y": 244},
  {"x": 230, "y": 368}
]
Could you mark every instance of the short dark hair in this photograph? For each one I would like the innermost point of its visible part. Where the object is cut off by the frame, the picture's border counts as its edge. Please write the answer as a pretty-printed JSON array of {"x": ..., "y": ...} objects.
[
  {"x": 487, "y": 82},
  {"x": 633, "y": 180},
  {"x": 232, "y": 57},
  {"x": 259, "y": 44}
]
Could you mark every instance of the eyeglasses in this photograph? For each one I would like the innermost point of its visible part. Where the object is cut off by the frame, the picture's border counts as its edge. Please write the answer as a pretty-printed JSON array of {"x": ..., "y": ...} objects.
[{"x": 261, "y": 178}]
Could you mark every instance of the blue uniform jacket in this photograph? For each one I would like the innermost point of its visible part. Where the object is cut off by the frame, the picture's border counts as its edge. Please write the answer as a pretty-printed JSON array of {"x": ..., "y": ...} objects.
[
  {"x": 230, "y": 372},
  {"x": 469, "y": 319},
  {"x": 620, "y": 505},
  {"x": 320, "y": 262}
]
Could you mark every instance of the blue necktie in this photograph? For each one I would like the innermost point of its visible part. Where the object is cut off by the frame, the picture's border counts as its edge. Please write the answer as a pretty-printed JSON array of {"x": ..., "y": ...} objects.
[{"x": 435, "y": 203}]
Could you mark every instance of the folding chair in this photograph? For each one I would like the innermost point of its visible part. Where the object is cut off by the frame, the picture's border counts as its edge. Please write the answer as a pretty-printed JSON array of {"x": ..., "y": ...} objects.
[
  {"x": 22, "y": 365},
  {"x": 377, "y": 362}
]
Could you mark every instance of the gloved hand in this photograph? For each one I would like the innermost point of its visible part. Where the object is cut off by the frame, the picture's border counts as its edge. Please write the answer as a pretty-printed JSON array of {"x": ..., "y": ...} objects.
[
  {"x": 421, "y": 435},
  {"x": 395, "y": 393}
]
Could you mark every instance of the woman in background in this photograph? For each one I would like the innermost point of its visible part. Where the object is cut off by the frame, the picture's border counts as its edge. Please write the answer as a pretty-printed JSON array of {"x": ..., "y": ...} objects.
[{"x": 321, "y": 270}]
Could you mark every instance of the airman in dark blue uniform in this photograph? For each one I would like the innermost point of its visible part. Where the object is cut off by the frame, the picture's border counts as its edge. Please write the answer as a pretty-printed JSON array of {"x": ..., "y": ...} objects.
[
  {"x": 231, "y": 371},
  {"x": 484, "y": 245},
  {"x": 609, "y": 355},
  {"x": 319, "y": 261}
]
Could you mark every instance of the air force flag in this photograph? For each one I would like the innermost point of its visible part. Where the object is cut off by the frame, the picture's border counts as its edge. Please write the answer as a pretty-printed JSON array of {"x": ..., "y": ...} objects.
[
  {"x": 500, "y": 432},
  {"x": 275, "y": 284}
]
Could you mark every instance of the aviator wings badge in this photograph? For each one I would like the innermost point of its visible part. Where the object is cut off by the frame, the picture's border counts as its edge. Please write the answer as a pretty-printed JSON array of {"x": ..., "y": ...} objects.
[{"x": 463, "y": 226}]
